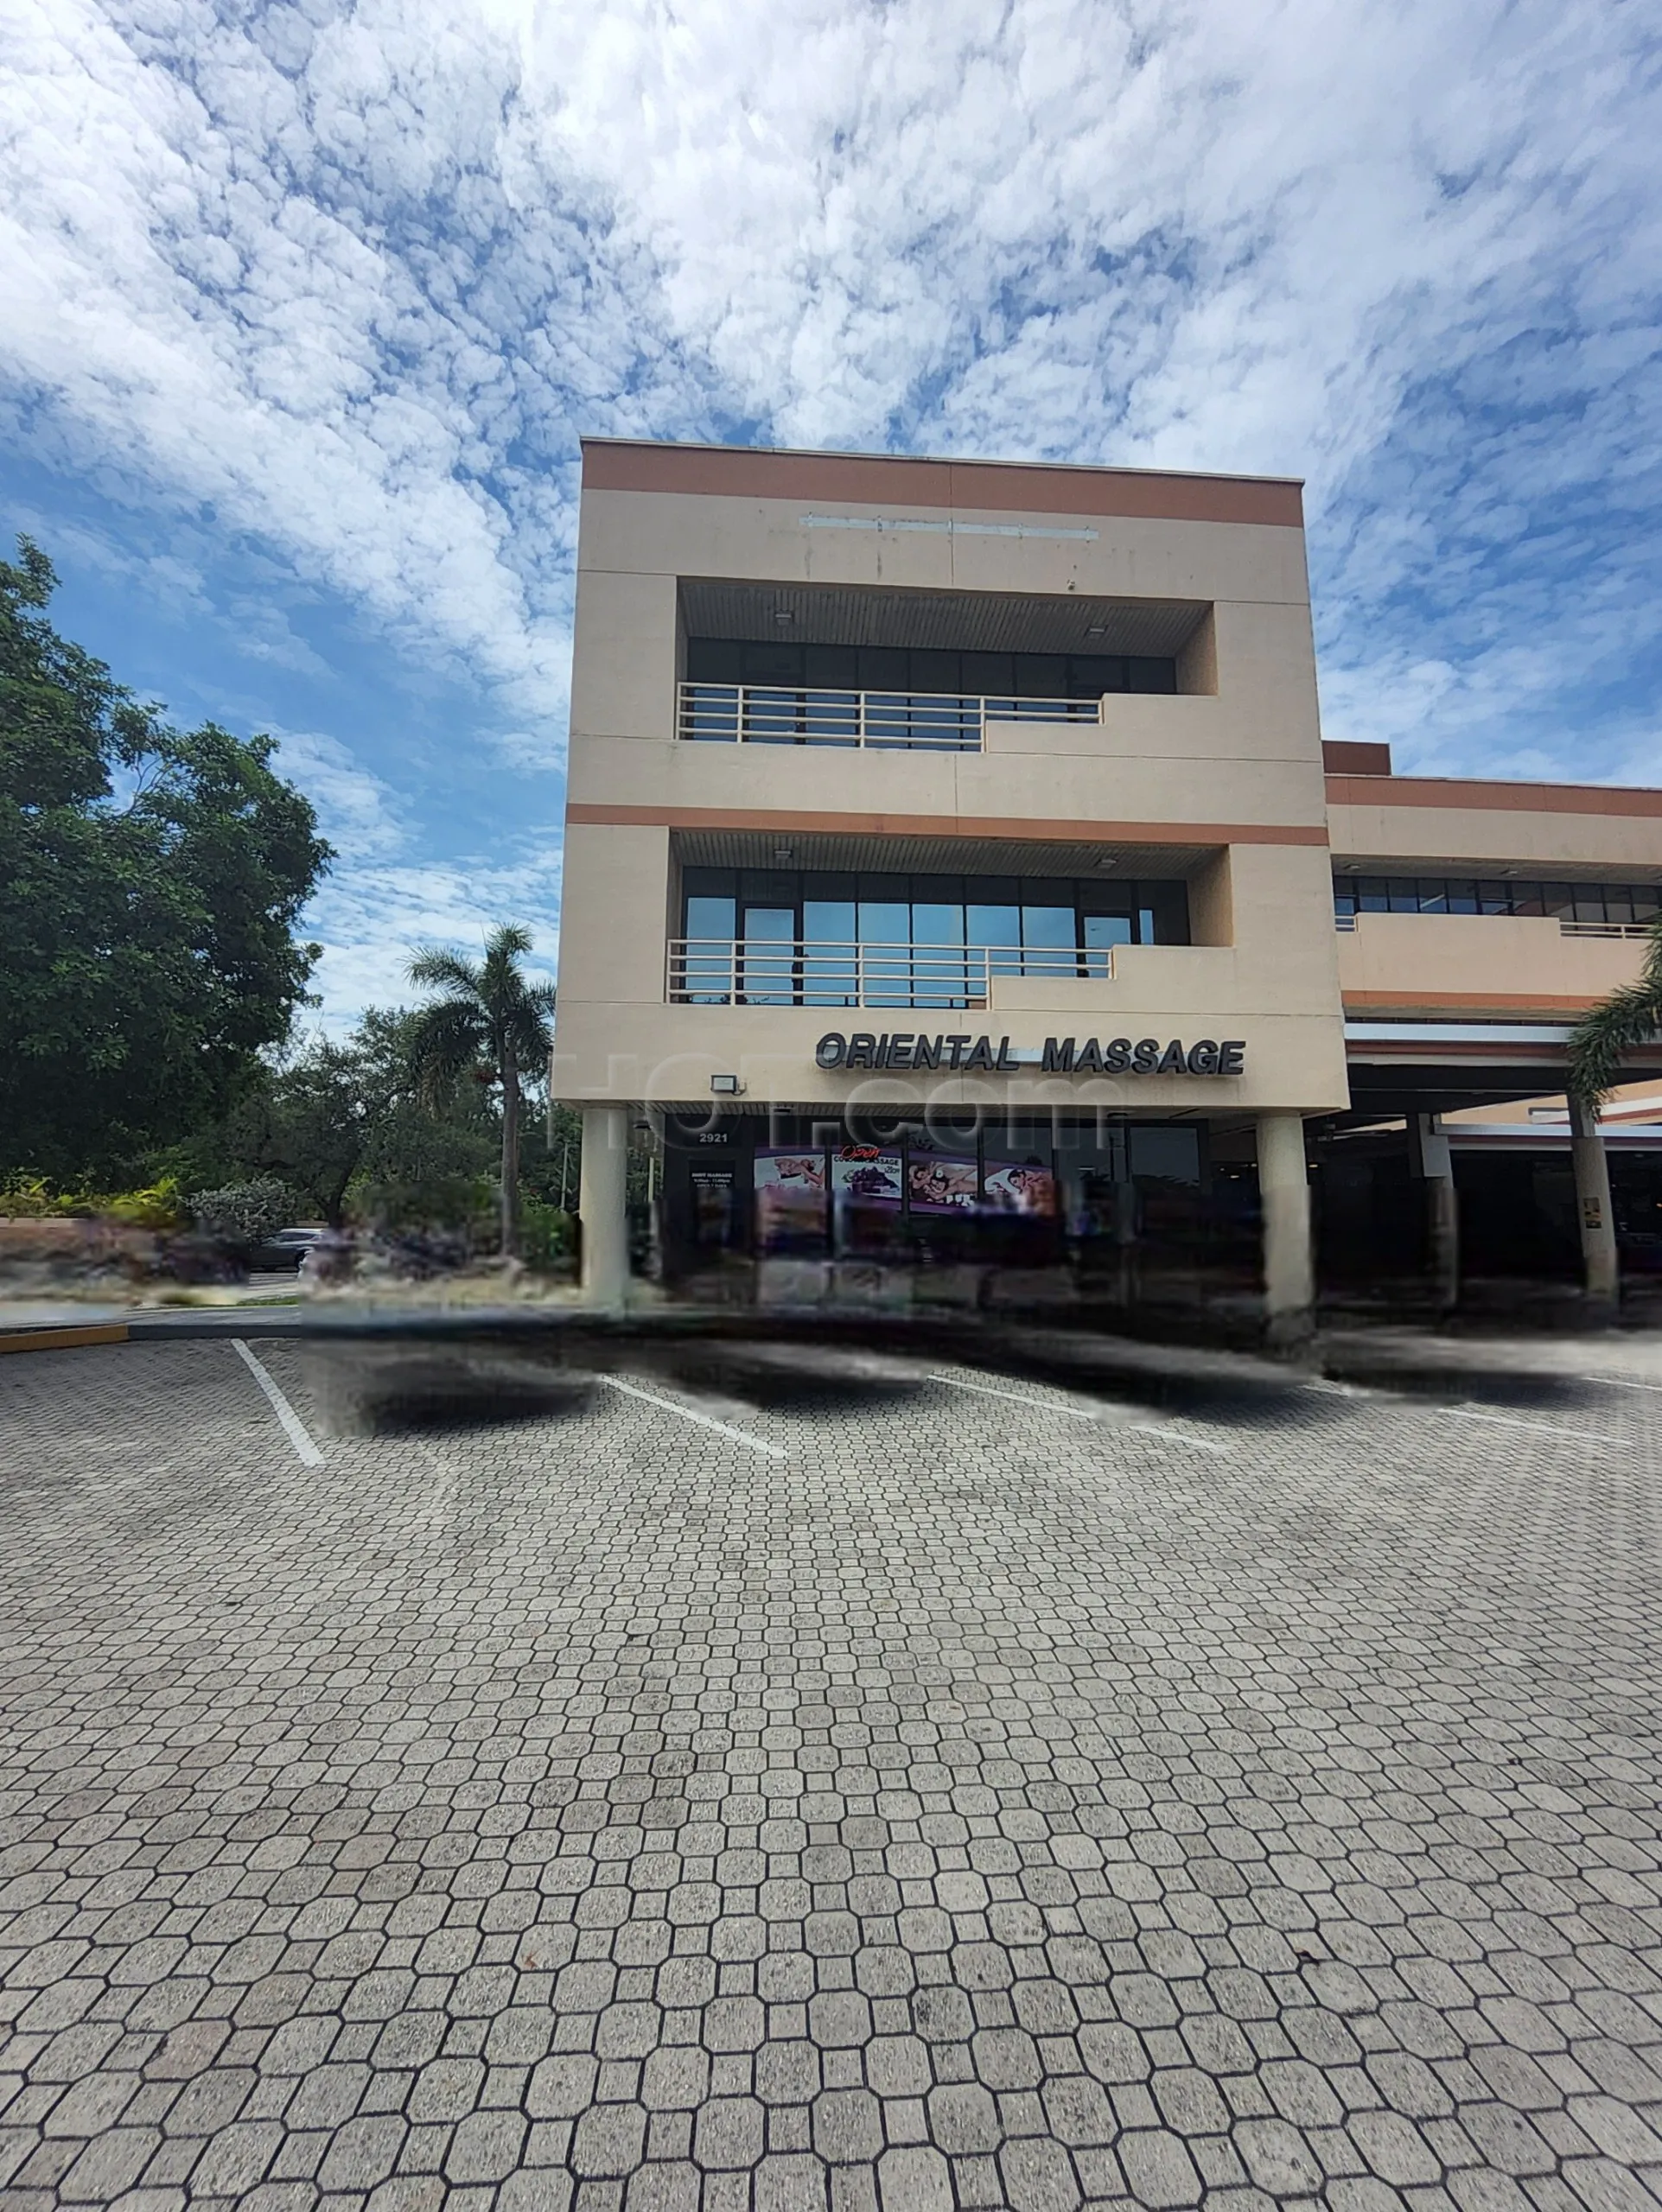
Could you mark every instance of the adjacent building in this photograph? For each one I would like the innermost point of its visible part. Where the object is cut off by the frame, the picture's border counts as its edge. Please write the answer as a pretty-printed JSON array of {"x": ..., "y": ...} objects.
[{"x": 956, "y": 879}]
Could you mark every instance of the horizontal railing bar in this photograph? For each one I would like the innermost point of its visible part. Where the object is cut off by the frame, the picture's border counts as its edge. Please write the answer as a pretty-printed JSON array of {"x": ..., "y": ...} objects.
[
  {"x": 807, "y": 715},
  {"x": 847, "y": 971},
  {"x": 1632, "y": 931}
]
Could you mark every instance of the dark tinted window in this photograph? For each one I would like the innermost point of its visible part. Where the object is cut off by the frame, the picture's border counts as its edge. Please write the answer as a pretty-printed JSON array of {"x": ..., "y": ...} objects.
[{"x": 788, "y": 664}]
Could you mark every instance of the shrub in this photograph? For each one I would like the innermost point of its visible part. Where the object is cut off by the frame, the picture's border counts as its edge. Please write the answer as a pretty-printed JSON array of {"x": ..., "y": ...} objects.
[
  {"x": 546, "y": 1233},
  {"x": 160, "y": 1205},
  {"x": 242, "y": 1213}
]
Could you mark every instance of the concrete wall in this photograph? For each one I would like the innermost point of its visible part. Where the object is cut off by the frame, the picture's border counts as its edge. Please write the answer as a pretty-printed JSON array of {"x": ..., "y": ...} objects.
[
  {"x": 1454, "y": 964},
  {"x": 1222, "y": 782}
]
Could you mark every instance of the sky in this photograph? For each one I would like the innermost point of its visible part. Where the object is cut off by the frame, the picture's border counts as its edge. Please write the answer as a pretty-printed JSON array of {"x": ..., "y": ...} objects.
[{"x": 303, "y": 310}]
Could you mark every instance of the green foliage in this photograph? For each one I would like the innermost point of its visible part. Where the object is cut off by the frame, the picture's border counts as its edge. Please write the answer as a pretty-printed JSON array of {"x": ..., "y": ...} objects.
[
  {"x": 150, "y": 880},
  {"x": 489, "y": 1022},
  {"x": 547, "y": 1235},
  {"x": 1605, "y": 1035},
  {"x": 159, "y": 1205},
  {"x": 244, "y": 1212}
]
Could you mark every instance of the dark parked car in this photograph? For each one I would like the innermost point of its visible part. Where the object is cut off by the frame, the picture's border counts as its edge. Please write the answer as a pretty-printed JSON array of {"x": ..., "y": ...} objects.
[{"x": 284, "y": 1248}]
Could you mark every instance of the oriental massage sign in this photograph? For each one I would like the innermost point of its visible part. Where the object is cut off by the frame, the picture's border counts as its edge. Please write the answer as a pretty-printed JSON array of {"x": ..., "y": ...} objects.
[{"x": 968, "y": 1055}]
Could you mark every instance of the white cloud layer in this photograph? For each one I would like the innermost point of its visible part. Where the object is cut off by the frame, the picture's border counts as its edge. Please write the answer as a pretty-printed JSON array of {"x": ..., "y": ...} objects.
[{"x": 345, "y": 281}]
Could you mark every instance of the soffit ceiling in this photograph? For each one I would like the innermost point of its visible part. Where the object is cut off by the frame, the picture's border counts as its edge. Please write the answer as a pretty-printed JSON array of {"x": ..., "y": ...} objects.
[
  {"x": 934, "y": 856},
  {"x": 964, "y": 621}
]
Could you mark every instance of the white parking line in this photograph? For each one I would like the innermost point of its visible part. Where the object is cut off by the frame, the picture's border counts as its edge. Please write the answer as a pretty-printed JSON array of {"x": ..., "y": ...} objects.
[
  {"x": 704, "y": 1421},
  {"x": 1546, "y": 1427},
  {"x": 294, "y": 1427},
  {"x": 1079, "y": 1413}
]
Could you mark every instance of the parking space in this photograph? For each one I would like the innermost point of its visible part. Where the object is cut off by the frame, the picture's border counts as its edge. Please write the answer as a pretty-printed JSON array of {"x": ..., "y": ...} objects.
[{"x": 751, "y": 1781}]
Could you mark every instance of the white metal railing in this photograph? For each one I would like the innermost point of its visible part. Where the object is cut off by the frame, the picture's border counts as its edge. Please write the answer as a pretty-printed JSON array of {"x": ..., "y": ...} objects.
[
  {"x": 749, "y": 971},
  {"x": 927, "y": 722},
  {"x": 1634, "y": 930}
]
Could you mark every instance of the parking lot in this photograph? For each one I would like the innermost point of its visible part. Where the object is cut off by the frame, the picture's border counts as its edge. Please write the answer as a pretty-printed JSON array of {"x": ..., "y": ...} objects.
[{"x": 762, "y": 1783}]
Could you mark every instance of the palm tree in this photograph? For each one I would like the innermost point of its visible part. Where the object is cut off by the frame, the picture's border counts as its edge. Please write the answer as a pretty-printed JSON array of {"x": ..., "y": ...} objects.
[
  {"x": 1607, "y": 1032},
  {"x": 490, "y": 1020}
]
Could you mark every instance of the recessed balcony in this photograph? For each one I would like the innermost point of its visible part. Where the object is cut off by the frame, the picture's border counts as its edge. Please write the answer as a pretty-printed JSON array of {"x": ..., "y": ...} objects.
[
  {"x": 1440, "y": 963},
  {"x": 885, "y": 721},
  {"x": 737, "y": 971}
]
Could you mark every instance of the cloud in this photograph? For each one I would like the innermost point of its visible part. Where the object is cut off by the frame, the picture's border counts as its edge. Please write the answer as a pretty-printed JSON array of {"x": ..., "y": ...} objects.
[
  {"x": 371, "y": 916},
  {"x": 344, "y": 283}
]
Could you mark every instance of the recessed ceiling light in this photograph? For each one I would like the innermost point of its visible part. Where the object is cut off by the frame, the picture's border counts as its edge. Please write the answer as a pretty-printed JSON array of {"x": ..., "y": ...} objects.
[
  {"x": 783, "y": 614},
  {"x": 1105, "y": 861},
  {"x": 1097, "y": 630},
  {"x": 785, "y": 852}
]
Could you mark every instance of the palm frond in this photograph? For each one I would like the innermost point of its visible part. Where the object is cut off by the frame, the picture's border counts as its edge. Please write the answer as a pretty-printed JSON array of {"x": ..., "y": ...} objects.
[
  {"x": 440, "y": 969},
  {"x": 444, "y": 1040},
  {"x": 1605, "y": 1035}
]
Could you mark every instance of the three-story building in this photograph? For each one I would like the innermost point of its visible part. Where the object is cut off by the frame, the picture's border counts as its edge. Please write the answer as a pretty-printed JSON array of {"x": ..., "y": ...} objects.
[{"x": 950, "y": 853}]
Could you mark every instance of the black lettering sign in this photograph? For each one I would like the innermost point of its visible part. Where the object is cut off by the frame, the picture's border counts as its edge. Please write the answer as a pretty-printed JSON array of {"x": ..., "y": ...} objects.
[{"x": 1061, "y": 1055}]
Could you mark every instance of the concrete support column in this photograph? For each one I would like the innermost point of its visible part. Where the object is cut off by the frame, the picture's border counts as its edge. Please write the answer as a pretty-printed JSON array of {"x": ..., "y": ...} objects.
[
  {"x": 1431, "y": 1162},
  {"x": 603, "y": 1205},
  {"x": 1285, "y": 1190},
  {"x": 1593, "y": 1209}
]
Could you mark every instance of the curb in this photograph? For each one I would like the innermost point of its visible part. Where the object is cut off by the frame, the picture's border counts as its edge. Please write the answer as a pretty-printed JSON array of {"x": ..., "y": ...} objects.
[{"x": 64, "y": 1335}]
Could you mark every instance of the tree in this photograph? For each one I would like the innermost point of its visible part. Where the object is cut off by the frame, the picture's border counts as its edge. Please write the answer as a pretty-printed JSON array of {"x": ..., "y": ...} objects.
[
  {"x": 1607, "y": 1033},
  {"x": 150, "y": 882},
  {"x": 490, "y": 1019}
]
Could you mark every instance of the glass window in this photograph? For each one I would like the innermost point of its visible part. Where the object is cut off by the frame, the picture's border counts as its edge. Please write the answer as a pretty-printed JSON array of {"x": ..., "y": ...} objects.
[
  {"x": 772, "y": 663},
  {"x": 1000, "y": 927},
  {"x": 1405, "y": 896},
  {"x": 829, "y": 977},
  {"x": 1169, "y": 904},
  {"x": 1433, "y": 896},
  {"x": 1645, "y": 901},
  {"x": 1559, "y": 899},
  {"x": 1494, "y": 899},
  {"x": 1527, "y": 899},
  {"x": 768, "y": 977},
  {"x": 934, "y": 671},
  {"x": 1617, "y": 903},
  {"x": 884, "y": 668},
  {"x": 1589, "y": 902},
  {"x": 707, "y": 977},
  {"x": 990, "y": 675},
  {"x": 710, "y": 918},
  {"x": 1373, "y": 895},
  {"x": 835, "y": 668},
  {"x": 1344, "y": 898},
  {"x": 1049, "y": 937},
  {"x": 1462, "y": 897},
  {"x": 1102, "y": 932},
  {"x": 1143, "y": 674},
  {"x": 715, "y": 660},
  {"x": 1089, "y": 675},
  {"x": 1040, "y": 676}
]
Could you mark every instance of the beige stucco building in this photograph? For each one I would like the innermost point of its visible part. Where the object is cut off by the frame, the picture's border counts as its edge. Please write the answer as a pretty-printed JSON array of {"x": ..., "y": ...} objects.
[{"x": 949, "y": 848}]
